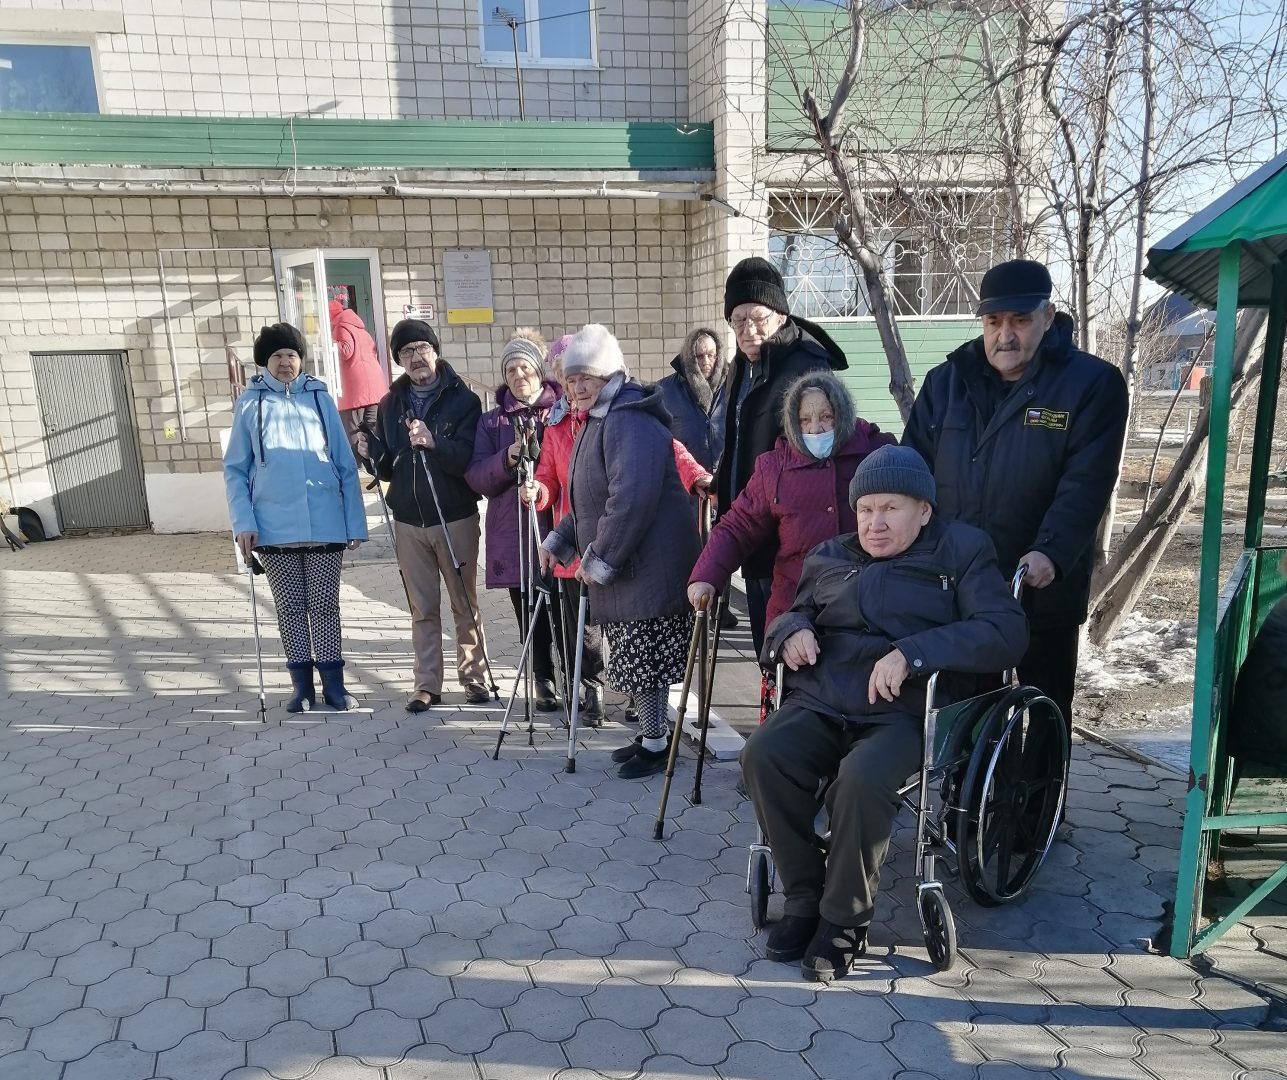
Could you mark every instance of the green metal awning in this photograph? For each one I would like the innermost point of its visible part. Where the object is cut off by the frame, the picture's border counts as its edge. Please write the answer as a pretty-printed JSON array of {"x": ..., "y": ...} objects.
[{"x": 1253, "y": 212}]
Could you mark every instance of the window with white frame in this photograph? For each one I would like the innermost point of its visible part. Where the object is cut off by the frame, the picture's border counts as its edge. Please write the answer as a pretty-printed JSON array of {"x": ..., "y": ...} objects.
[
  {"x": 934, "y": 253},
  {"x": 47, "y": 77},
  {"x": 556, "y": 32}
]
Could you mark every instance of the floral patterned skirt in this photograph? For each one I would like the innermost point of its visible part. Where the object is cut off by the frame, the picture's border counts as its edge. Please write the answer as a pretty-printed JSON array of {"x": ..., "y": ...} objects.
[{"x": 649, "y": 653}]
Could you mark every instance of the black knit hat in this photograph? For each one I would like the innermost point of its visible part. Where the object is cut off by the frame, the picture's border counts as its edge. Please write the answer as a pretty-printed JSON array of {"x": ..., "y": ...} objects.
[
  {"x": 408, "y": 332},
  {"x": 278, "y": 336},
  {"x": 893, "y": 470},
  {"x": 755, "y": 281},
  {"x": 1018, "y": 285}
]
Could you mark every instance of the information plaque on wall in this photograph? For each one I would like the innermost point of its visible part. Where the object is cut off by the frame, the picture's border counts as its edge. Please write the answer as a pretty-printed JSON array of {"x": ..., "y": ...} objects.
[{"x": 467, "y": 283}]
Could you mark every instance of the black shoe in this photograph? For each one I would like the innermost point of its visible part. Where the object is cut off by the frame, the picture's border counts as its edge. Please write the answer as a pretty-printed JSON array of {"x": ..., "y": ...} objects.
[
  {"x": 645, "y": 762},
  {"x": 789, "y": 937},
  {"x": 546, "y": 699},
  {"x": 301, "y": 677},
  {"x": 832, "y": 951},
  {"x": 417, "y": 704},
  {"x": 476, "y": 694},
  {"x": 592, "y": 708},
  {"x": 728, "y": 621},
  {"x": 625, "y": 753},
  {"x": 333, "y": 692}
]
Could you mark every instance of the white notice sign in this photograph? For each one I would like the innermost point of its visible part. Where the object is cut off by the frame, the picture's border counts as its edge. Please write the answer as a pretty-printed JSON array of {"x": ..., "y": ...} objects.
[{"x": 467, "y": 282}]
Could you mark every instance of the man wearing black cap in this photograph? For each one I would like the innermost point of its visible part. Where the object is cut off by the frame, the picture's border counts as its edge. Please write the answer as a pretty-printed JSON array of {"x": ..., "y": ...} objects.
[
  {"x": 1024, "y": 433},
  {"x": 429, "y": 411},
  {"x": 774, "y": 347}
]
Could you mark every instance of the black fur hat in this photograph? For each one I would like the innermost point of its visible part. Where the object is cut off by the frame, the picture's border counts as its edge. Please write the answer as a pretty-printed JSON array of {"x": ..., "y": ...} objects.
[{"x": 278, "y": 336}]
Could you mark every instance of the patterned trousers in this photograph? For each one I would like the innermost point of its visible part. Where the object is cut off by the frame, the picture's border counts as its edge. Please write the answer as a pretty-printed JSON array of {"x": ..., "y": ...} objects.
[{"x": 306, "y": 589}]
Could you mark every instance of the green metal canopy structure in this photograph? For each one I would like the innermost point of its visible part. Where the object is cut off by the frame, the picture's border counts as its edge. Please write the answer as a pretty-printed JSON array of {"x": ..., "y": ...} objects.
[{"x": 1229, "y": 256}]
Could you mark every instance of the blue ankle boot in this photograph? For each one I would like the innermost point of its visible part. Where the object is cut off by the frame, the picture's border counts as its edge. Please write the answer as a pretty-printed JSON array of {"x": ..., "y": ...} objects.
[
  {"x": 301, "y": 677},
  {"x": 333, "y": 692}
]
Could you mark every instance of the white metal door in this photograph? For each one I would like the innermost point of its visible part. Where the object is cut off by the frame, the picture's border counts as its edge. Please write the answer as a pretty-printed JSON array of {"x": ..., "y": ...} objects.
[{"x": 301, "y": 280}]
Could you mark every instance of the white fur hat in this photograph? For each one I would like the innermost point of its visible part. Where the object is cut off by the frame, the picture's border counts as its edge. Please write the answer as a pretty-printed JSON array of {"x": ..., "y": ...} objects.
[{"x": 593, "y": 351}]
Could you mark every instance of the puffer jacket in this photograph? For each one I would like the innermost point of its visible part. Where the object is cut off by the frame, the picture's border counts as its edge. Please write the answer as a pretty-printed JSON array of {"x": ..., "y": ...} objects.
[
  {"x": 699, "y": 429},
  {"x": 288, "y": 470},
  {"x": 793, "y": 499},
  {"x": 452, "y": 418},
  {"x": 942, "y": 603},
  {"x": 1035, "y": 474},
  {"x": 489, "y": 474},
  {"x": 362, "y": 380},
  {"x": 753, "y": 429},
  {"x": 552, "y": 472},
  {"x": 630, "y": 519}
]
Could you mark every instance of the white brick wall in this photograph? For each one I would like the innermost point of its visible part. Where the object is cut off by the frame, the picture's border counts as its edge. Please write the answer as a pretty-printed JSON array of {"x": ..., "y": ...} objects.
[
  {"x": 80, "y": 273},
  {"x": 416, "y": 59}
]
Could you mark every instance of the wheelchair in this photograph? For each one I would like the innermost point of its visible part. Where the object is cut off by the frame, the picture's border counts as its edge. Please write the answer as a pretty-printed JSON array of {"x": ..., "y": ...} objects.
[{"x": 989, "y": 793}]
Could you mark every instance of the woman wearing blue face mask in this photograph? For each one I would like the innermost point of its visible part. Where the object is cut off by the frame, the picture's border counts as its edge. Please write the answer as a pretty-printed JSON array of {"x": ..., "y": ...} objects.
[{"x": 798, "y": 494}]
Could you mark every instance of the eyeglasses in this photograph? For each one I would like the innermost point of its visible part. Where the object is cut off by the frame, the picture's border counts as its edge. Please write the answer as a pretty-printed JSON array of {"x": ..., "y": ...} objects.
[
  {"x": 409, "y": 351},
  {"x": 759, "y": 321}
]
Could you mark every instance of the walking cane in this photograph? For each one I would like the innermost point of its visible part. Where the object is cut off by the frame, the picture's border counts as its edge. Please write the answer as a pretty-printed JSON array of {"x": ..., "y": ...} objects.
[
  {"x": 460, "y": 573},
  {"x": 570, "y": 689},
  {"x": 524, "y": 659},
  {"x": 699, "y": 635},
  {"x": 252, "y": 567},
  {"x": 705, "y": 694},
  {"x": 576, "y": 681}
]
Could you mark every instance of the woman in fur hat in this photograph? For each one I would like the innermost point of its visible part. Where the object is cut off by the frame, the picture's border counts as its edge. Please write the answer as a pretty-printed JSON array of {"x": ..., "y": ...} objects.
[
  {"x": 295, "y": 502},
  {"x": 523, "y": 403}
]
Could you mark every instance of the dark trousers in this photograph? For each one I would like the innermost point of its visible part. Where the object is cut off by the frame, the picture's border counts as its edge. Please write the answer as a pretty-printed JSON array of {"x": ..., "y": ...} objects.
[
  {"x": 757, "y": 607},
  {"x": 592, "y": 659},
  {"x": 1050, "y": 664},
  {"x": 542, "y": 639},
  {"x": 784, "y": 762}
]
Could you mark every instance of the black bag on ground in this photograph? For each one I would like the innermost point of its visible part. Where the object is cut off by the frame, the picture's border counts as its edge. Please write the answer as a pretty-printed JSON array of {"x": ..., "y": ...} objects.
[
  {"x": 1258, "y": 720},
  {"x": 29, "y": 524}
]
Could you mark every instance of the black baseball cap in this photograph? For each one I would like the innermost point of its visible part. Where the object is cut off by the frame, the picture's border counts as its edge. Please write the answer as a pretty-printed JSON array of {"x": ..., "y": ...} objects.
[{"x": 1017, "y": 285}]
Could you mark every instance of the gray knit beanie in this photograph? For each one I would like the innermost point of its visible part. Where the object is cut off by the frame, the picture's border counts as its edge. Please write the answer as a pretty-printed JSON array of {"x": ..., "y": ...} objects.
[
  {"x": 593, "y": 351},
  {"x": 892, "y": 470},
  {"x": 528, "y": 345}
]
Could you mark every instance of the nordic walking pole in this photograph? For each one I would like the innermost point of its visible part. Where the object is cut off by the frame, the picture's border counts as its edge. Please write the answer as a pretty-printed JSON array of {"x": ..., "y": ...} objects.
[
  {"x": 570, "y": 689},
  {"x": 523, "y": 660},
  {"x": 460, "y": 573},
  {"x": 704, "y": 697},
  {"x": 576, "y": 679},
  {"x": 365, "y": 429},
  {"x": 699, "y": 633},
  {"x": 259, "y": 649}
]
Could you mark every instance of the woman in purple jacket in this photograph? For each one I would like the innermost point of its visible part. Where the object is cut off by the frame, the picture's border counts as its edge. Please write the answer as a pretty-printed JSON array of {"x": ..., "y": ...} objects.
[
  {"x": 798, "y": 495},
  {"x": 525, "y": 394}
]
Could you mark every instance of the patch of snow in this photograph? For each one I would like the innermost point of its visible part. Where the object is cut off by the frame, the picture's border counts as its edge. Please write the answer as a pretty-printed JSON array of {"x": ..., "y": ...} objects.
[{"x": 1145, "y": 652}]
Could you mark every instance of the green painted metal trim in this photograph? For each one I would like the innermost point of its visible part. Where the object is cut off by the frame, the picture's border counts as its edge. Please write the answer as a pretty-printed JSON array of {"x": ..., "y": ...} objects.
[
  {"x": 1271, "y": 371},
  {"x": 1194, "y": 840},
  {"x": 1209, "y": 935},
  {"x": 1258, "y": 214},
  {"x": 320, "y": 142},
  {"x": 1249, "y": 820}
]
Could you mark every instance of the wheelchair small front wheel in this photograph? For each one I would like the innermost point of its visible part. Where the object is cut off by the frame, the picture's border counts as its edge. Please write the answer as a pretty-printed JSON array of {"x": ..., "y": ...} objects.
[
  {"x": 939, "y": 928},
  {"x": 757, "y": 884}
]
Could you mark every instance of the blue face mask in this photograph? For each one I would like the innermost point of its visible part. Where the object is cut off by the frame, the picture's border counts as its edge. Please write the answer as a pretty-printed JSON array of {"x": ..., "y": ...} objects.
[{"x": 819, "y": 445}]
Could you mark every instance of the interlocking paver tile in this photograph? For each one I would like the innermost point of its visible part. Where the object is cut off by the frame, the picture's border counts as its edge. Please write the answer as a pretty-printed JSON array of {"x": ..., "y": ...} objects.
[
  {"x": 207, "y": 982},
  {"x": 203, "y": 1055},
  {"x": 37, "y": 912},
  {"x": 161, "y": 1025},
  {"x": 287, "y": 972},
  {"x": 125, "y": 992},
  {"x": 331, "y": 1003},
  {"x": 65, "y": 936},
  {"x": 117, "y": 1060},
  {"x": 72, "y": 1035},
  {"x": 92, "y": 963},
  {"x": 41, "y": 1001},
  {"x": 30, "y": 1065},
  {"x": 433, "y": 1062},
  {"x": 365, "y": 963},
  {"x": 324, "y": 935},
  {"x": 463, "y": 1026},
  {"x": 378, "y": 1037},
  {"x": 286, "y": 910}
]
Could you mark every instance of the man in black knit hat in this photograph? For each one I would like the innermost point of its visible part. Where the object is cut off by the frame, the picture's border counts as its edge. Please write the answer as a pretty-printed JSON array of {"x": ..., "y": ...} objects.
[
  {"x": 430, "y": 411},
  {"x": 1024, "y": 433},
  {"x": 774, "y": 348}
]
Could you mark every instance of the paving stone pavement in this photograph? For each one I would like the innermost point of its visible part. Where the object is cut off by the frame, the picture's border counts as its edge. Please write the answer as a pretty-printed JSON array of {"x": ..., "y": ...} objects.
[{"x": 186, "y": 893}]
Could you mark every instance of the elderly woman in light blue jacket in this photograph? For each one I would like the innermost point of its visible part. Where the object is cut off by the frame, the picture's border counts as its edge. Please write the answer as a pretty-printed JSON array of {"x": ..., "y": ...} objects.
[{"x": 295, "y": 502}]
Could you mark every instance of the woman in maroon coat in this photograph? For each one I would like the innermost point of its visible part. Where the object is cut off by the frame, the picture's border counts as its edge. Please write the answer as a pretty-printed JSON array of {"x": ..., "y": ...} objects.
[{"x": 798, "y": 495}]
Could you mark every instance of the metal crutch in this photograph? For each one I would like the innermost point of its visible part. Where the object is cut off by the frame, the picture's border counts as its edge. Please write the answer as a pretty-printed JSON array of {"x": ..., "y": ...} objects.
[
  {"x": 705, "y": 692},
  {"x": 259, "y": 648},
  {"x": 460, "y": 573},
  {"x": 576, "y": 680},
  {"x": 523, "y": 660},
  {"x": 699, "y": 636}
]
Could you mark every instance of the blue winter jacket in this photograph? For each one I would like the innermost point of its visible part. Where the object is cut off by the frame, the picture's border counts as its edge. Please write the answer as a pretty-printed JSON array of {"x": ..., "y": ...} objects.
[{"x": 288, "y": 469}]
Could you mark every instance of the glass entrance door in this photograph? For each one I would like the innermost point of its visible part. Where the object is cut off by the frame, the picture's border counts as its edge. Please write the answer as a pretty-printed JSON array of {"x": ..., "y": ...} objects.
[{"x": 301, "y": 279}]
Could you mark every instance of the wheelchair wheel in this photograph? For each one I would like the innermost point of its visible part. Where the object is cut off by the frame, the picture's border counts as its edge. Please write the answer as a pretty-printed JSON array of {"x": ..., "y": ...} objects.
[
  {"x": 1011, "y": 796},
  {"x": 939, "y": 928},
  {"x": 757, "y": 884}
]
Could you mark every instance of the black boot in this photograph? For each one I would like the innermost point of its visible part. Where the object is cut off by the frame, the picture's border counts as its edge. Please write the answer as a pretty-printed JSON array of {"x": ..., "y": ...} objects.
[
  {"x": 790, "y": 937},
  {"x": 333, "y": 692},
  {"x": 546, "y": 699},
  {"x": 301, "y": 677},
  {"x": 832, "y": 951},
  {"x": 592, "y": 707}
]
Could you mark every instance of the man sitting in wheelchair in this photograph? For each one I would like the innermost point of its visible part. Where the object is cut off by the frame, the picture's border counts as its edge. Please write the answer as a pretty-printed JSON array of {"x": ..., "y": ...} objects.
[{"x": 876, "y": 612}]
